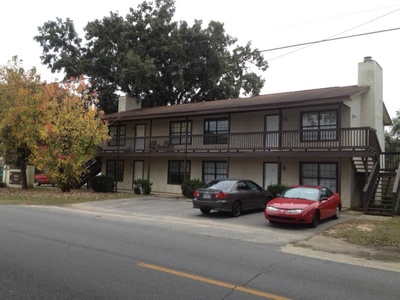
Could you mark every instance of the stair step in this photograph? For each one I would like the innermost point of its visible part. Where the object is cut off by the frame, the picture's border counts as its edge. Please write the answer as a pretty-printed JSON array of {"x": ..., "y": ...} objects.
[
  {"x": 387, "y": 213},
  {"x": 381, "y": 205}
]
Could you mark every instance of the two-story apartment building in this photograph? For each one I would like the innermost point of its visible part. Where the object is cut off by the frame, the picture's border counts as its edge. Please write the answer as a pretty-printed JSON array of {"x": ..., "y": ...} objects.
[{"x": 329, "y": 136}]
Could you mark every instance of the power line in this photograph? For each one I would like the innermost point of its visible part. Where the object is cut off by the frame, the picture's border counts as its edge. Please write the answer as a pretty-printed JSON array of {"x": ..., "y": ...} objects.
[
  {"x": 330, "y": 39},
  {"x": 295, "y": 45}
]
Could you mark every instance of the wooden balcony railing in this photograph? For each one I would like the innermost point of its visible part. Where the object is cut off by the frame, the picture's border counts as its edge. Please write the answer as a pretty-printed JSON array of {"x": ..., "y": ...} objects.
[
  {"x": 389, "y": 161},
  {"x": 344, "y": 139}
]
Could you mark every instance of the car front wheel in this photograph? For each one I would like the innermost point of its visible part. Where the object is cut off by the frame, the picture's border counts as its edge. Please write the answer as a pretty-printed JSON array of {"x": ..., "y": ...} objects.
[
  {"x": 236, "y": 209},
  {"x": 315, "y": 219},
  {"x": 37, "y": 183}
]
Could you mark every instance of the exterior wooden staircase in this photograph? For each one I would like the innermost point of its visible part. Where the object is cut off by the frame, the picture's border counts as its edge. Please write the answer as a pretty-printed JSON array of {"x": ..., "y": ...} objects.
[
  {"x": 381, "y": 191},
  {"x": 381, "y": 202},
  {"x": 93, "y": 168}
]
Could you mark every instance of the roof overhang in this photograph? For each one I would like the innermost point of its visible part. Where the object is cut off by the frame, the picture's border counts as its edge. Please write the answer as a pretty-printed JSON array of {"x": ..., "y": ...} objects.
[
  {"x": 387, "y": 121},
  {"x": 324, "y": 96}
]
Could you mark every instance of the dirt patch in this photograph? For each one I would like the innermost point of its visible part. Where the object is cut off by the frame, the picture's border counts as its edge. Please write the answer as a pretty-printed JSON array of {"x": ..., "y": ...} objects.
[
  {"x": 338, "y": 250},
  {"x": 366, "y": 227}
]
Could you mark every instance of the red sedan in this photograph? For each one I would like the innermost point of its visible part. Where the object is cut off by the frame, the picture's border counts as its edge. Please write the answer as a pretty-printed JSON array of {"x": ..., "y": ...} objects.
[
  {"x": 42, "y": 179},
  {"x": 304, "y": 205}
]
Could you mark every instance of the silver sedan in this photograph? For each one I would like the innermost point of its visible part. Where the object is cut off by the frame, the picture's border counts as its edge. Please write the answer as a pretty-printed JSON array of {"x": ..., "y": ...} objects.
[{"x": 231, "y": 195}]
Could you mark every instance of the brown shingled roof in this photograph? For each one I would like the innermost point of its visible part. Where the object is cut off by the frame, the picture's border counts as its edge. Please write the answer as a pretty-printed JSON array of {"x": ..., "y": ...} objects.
[{"x": 269, "y": 101}]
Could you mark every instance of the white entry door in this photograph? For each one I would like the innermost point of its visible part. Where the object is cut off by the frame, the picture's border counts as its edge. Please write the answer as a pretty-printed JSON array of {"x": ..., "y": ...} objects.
[
  {"x": 270, "y": 174},
  {"x": 272, "y": 131},
  {"x": 139, "y": 133}
]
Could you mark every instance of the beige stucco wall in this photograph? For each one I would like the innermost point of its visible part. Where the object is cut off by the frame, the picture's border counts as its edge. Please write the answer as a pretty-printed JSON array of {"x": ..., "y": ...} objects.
[
  {"x": 351, "y": 113},
  {"x": 247, "y": 122},
  {"x": 350, "y": 196},
  {"x": 290, "y": 119},
  {"x": 250, "y": 168},
  {"x": 160, "y": 127}
]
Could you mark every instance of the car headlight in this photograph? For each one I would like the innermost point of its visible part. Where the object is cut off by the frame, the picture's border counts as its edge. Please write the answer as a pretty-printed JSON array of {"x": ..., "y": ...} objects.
[
  {"x": 294, "y": 211},
  {"x": 271, "y": 208}
]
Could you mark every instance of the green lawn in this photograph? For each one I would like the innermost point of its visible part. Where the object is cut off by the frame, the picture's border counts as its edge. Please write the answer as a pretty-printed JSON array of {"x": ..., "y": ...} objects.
[
  {"x": 53, "y": 196},
  {"x": 365, "y": 232}
]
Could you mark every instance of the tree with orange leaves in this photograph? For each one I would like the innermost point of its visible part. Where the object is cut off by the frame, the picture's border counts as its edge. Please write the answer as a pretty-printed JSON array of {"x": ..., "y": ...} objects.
[
  {"x": 48, "y": 125},
  {"x": 21, "y": 96},
  {"x": 71, "y": 134}
]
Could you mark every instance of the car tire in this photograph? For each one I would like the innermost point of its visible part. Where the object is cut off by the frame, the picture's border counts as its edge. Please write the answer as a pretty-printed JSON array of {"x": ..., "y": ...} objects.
[
  {"x": 37, "y": 183},
  {"x": 337, "y": 213},
  {"x": 315, "y": 219},
  {"x": 205, "y": 211},
  {"x": 236, "y": 209}
]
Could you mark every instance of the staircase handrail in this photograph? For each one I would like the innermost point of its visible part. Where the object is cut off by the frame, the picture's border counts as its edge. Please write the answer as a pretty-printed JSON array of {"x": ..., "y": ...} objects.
[
  {"x": 369, "y": 186},
  {"x": 374, "y": 142},
  {"x": 396, "y": 190}
]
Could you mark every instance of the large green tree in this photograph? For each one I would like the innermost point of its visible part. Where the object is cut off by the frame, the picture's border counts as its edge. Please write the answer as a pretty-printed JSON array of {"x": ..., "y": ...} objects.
[
  {"x": 152, "y": 58},
  {"x": 392, "y": 138}
]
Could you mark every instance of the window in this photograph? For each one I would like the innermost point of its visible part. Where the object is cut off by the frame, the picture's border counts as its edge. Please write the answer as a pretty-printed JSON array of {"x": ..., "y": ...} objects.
[
  {"x": 324, "y": 174},
  {"x": 326, "y": 193},
  {"x": 216, "y": 131},
  {"x": 115, "y": 168},
  {"x": 214, "y": 170},
  {"x": 176, "y": 171},
  {"x": 117, "y": 133},
  {"x": 180, "y": 132},
  {"x": 316, "y": 125}
]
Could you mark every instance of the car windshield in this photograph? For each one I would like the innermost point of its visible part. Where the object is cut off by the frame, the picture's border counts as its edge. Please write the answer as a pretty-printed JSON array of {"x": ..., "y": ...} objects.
[
  {"x": 223, "y": 185},
  {"x": 301, "y": 193}
]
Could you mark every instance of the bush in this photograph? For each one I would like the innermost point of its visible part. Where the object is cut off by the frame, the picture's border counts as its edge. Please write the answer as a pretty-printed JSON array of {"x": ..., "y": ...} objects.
[
  {"x": 2, "y": 184},
  {"x": 189, "y": 186},
  {"x": 142, "y": 186},
  {"x": 277, "y": 189},
  {"x": 102, "y": 183},
  {"x": 136, "y": 190}
]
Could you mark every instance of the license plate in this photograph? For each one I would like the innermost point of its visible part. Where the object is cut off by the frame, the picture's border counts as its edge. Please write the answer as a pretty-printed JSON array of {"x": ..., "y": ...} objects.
[{"x": 206, "y": 196}]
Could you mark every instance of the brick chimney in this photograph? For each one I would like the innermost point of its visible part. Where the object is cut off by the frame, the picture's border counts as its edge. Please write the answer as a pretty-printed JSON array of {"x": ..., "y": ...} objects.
[
  {"x": 126, "y": 103},
  {"x": 370, "y": 74}
]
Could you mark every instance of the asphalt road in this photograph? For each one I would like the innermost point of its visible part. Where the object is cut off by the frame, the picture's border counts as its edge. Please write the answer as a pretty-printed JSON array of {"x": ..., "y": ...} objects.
[{"x": 163, "y": 249}]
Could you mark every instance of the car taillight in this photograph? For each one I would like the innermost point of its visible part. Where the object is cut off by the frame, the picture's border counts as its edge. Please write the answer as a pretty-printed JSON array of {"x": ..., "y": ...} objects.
[
  {"x": 196, "y": 194},
  {"x": 220, "y": 195}
]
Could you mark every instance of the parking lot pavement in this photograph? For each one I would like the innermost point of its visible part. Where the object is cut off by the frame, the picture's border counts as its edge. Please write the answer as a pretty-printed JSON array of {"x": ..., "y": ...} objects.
[{"x": 179, "y": 214}]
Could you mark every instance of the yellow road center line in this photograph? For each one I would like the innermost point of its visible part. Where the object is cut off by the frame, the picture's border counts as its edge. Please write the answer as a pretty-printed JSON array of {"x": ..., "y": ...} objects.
[{"x": 214, "y": 282}]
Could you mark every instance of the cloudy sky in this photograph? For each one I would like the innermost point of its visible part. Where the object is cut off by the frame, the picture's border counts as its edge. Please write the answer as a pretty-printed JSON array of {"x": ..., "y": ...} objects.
[{"x": 267, "y": 24}]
